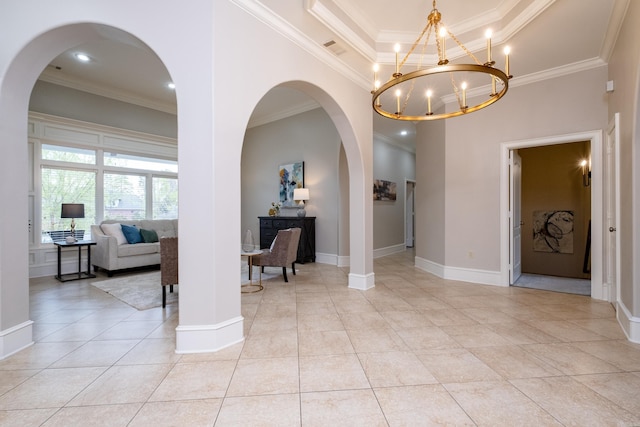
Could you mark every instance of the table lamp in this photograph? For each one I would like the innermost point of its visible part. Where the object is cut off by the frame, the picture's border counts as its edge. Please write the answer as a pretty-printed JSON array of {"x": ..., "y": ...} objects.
[
  {"x": 301, "y": 194},
  {"x": 73, "y": 211}
]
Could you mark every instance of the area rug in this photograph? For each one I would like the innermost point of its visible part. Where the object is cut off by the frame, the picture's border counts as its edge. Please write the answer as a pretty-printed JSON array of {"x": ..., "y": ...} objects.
[{"x": 141, "y": 291}]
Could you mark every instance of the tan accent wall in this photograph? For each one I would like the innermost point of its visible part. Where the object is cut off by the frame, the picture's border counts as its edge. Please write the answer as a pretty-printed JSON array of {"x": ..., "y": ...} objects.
[{"x": 552, "y": 181}]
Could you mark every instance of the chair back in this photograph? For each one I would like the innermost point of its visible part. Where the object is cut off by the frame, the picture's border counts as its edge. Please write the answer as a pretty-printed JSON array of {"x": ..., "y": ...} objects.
[
  {"x": 168, "y": 261},
  {"x": 285, "y": 249}
]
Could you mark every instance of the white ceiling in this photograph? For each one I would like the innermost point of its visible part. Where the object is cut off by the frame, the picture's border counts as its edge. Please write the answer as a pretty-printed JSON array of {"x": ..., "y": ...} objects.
[{"x": 548, "y": 38}]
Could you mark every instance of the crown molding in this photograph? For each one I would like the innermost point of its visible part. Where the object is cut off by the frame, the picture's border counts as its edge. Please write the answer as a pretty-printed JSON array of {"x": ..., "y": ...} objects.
[
  {"x": 318, "y": 10},
  {"x": 383, "y": 138},
  {"x": 537, "y": 77},
  {"x": 118, "y": 95},
  {"x": 283, "y": 114},
  {"x": 256, "y": 9},
  {"x": 613, "y": 29}
]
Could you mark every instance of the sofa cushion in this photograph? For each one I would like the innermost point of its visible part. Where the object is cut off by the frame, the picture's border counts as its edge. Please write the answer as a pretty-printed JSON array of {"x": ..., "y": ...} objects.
[
  {"x": 163, "y": 227},
  {"x": 148, "y": 236},
  {"x": 139, "y": 249},
  {"x": 131, "y": 233},
  {"x": 114, "y": 230}
]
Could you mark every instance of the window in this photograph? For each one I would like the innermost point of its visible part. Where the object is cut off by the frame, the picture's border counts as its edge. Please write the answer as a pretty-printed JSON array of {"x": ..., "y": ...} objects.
[
  {"x": 139, "y": 162},
  {"x": 165, "y": 198},
  {"x": 68, "y": 154},
  {"x": 111, "y": 185},
  {"x": 67, "y": 186},
  {"x": 124, "y": 196}
]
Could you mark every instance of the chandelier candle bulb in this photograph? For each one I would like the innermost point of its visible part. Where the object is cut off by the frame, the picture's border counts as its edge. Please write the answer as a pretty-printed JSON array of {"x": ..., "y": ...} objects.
[
  {"x": 376, "y": 67},
  {"x": 464, "y": 95},
  {"x": 443, "y": 54},
  {"x": 507, "y": 51},
  {"x": 396, "y": 48},
  {"x": 398, "y": 93},
  {"x": 488, "y": 34},
  {"x": 493, "y": 86},
  {"x": 429, "y": 93}
]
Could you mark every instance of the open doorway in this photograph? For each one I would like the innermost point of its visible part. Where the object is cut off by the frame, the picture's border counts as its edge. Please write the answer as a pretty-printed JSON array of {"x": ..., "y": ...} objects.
[
  {"x": 554, "y": 206},
  {"x": 592, "y": 212},
  {"x": 409, "y": 214}
]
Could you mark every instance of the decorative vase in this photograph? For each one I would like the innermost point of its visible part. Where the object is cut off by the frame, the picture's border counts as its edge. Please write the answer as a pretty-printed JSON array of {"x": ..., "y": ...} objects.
[{"x": 248, "y": 244}]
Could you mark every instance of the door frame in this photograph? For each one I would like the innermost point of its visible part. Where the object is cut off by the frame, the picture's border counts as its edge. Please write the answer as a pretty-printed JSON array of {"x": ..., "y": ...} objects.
[
  {"x": 613, "y": 132},
  {"x": 597, "y": 216},
  {"x": 413, "y": 204}
]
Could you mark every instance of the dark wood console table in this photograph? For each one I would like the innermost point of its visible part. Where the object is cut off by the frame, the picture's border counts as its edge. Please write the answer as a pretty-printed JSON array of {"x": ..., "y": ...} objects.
[
  {"x": 269, "y": 226},
  {"x": 80, "y": 274}
]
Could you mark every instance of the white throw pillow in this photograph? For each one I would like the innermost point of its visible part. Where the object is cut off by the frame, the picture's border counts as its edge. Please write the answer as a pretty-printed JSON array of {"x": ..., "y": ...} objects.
[
  {"x": 114, "y": 230},
  {"x": 273, "y": 243}
]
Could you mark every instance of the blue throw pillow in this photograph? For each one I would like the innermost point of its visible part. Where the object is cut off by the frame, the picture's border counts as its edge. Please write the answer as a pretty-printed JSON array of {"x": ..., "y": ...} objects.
[{"x": 132, "y": 234}]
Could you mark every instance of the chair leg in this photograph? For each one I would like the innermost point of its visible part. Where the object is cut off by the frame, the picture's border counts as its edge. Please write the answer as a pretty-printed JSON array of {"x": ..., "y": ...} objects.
[
  {"x": 293, "y": 268},
  {"x": 171, "y": 288},
  {"x": 284, "y": 273},
  {"x": 164, "y": 296}
]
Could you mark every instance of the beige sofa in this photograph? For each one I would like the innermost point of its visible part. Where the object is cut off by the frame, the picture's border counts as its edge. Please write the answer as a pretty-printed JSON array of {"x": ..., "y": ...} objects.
[{"x": 112, "y": 254}]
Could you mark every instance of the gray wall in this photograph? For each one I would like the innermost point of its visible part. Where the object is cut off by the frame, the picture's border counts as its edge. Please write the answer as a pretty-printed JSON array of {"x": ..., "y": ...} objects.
[
  {"x": 312, "y": 137},
  {"x": 391, "y": 163},
  {"x": 49, "y": 98}
]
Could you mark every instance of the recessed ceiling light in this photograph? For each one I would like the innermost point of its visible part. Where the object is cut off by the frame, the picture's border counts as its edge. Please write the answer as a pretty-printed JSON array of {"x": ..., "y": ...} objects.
[
  {"x": 404, "y": 133},
  {"x": 83, "y": 57},
  {"x": 171, "y": 85}
]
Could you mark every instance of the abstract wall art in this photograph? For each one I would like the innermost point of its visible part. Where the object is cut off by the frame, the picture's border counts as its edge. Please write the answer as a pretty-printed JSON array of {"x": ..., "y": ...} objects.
[
  {"x": 291, "y": 176},
  {"x": 553, "y": 231}
]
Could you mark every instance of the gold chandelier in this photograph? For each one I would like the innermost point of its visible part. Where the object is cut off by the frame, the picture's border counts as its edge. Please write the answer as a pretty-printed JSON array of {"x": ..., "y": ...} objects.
[{"x": 413, "y": 92}]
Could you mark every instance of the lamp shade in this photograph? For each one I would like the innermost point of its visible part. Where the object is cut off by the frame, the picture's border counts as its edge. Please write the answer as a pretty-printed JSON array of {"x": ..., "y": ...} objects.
[
  {"x": 72, "y": 210},
  {"x": 301, "y": 194}
]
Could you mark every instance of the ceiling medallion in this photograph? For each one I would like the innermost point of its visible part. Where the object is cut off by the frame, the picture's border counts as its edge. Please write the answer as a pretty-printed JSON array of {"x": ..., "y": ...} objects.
[{"x": 408, "y": 96}]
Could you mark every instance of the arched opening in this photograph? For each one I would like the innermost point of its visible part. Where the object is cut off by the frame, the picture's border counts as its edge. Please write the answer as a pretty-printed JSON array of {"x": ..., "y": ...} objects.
[{"x": 36, "y": 84}]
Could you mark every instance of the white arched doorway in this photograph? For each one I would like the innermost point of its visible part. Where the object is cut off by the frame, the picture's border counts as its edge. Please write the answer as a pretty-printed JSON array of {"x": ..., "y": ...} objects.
[{"x": 15, "y": 92}]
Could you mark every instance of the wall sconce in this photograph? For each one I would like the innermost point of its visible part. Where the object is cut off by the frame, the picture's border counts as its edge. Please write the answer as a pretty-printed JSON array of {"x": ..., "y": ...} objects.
[
  {"x": 300, "y": 195},
  {"x": 586, "y": 172}
]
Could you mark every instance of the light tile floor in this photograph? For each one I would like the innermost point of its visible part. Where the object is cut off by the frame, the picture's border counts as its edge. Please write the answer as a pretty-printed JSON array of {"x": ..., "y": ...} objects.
[{"x": 416, "y": 350}]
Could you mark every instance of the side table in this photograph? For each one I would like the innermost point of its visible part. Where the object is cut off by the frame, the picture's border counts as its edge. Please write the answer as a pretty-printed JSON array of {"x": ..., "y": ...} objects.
[
  {"x": 250, "y": 256},
  {"x": 80, "y": 274}
]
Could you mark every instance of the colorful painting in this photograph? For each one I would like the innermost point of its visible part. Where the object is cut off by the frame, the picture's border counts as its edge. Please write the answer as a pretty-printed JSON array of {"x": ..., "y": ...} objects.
[
  {"x": 291, "y": 177},
  {"x": 553, "y": 231},
  {"x": 384, "y": 190}
]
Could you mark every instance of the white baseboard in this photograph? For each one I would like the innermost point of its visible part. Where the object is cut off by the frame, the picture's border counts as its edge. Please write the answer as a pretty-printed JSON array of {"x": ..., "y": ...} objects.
[
  {"x": 209, "y": 338},
  {"x": 630, "y": 324},
  {"x": 482, "y": 277},
  {"x": 389, "y": 250},
  {"x": 323, "y": 258},
  {"x": 362, "y": 282},
  {"x": 16, "y": 338}
]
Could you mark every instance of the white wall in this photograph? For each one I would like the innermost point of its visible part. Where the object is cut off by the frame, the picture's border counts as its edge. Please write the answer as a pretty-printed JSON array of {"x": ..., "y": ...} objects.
[
  {"x": 471, "y": 191},
  {"x": 216, "y": 94},
  {"x": 624, "y": 70}
]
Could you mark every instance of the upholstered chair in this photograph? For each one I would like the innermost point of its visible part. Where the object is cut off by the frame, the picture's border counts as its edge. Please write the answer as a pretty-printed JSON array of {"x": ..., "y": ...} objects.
[
  {"x": 168, "y": 265},
  {"x": 283, "y": 252}
]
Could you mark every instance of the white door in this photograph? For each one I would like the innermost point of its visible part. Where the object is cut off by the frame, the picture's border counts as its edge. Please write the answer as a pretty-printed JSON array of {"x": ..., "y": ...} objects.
[
  {"x": 611, "y": 199},
  {"x": 515, "y": 217},
  {"x": 410, "y": 214}
]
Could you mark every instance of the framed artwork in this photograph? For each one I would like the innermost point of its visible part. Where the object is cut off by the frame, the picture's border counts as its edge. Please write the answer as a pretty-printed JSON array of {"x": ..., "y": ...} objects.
[
  {"x": 291, "y": 176},
  {"x": 384, "y": 190},
  {"x": 553, "y": 231}
]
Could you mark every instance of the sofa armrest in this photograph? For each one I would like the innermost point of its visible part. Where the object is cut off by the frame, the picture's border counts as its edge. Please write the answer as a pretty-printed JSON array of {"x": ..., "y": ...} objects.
[{"x": 105, "y": 253}]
